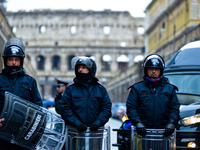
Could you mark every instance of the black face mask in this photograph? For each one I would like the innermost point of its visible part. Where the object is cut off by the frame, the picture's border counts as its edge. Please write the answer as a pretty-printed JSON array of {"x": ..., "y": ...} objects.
[
  {"x": 13, "y": 67},
  {"x": 9, "y": 70},
  {"x": 83, "y": 77}
]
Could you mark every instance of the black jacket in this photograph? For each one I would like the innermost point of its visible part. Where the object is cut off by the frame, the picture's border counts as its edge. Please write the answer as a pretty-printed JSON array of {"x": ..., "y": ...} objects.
[
  {"x": 21, "y": 85},
  {"x": 86, "y": 103},
  {"x": 58, "y": 103},
  {"x": 153, "y": 105}
]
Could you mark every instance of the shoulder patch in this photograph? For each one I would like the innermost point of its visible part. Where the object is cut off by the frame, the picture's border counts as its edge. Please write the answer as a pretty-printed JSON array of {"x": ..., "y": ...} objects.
[
  {"x": 29, "y": 75},
  {"x": 70, "y": 84},
  {"x": 134, "y": 84},
  {"x": 138, "y": 82},
  {"x": 176, "y": 88}
]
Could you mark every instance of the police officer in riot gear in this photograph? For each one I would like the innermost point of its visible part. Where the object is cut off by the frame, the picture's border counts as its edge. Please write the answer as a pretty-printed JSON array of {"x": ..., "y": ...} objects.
[
  {"x": 61, "y": 85},
  {"x": 85, "y": 102},
  {"x": 153, "y": 103},
  {"x": 14, "y": 80}
]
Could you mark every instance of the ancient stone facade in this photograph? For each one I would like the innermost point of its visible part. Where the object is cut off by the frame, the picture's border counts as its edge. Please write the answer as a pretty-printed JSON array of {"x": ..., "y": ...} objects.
[{"x": 53, "y": 38}]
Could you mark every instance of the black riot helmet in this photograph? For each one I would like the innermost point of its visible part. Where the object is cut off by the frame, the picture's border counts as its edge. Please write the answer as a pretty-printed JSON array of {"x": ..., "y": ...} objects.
[
  {"x": 88, "y": 62},
  {"x": 14, "y": 48},
  {"x": 153, "y": 61}
]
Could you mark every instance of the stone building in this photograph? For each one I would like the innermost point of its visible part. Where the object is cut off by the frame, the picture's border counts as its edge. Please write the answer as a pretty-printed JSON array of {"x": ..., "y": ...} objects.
[
  {"x": 169, "y": 24},
  {"x": 54, "y": 37}
]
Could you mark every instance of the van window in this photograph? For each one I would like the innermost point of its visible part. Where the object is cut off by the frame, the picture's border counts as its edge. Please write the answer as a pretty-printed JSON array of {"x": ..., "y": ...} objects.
[{"x": 186, "y": 83}]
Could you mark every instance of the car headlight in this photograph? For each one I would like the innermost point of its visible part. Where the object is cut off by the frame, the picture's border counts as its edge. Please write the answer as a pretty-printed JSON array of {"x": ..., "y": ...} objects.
[
  {"x": 192, "y": 145},
  {"x": 190, "y": 120},
  {"x": 124, "y": 118}
]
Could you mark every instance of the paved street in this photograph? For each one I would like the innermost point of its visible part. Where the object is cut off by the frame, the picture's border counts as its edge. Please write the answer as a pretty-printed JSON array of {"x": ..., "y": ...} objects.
[{"x": 114, "y": 124}]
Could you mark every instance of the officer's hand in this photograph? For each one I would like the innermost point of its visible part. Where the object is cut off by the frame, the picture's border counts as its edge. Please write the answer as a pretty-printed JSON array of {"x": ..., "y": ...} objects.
[
  {"x": 1, "y": 120},
  {"x": 82, "y": 127},
  {"x": 169, "y": 128},
  {"x": 141, "y": 130},
  {"x": 94, "y": 127}
]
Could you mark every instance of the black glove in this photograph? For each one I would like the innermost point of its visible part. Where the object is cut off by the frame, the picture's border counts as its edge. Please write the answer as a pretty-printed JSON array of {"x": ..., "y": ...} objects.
[
  {"x": 141, "y": 130},
  {"x": 169, "y": 128},
  {"x": 94, "y": 127},
  {"x": 82, "y": 127}
]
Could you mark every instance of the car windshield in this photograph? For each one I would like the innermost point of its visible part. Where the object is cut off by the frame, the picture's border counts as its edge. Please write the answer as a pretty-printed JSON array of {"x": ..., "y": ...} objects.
[
  {"x": 188, "y": 87},
  {"x": 186, "y": 83}
]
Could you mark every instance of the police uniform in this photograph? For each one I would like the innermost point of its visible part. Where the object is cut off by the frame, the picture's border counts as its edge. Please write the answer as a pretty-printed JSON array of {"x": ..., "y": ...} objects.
[
  {"x": 16, "y": 81},
  {"x": 153, "y": 103},
  {"x": 59, "y": 96},
  {"x": 85, "y": 102},
  {"x": 154, "y": 106}
]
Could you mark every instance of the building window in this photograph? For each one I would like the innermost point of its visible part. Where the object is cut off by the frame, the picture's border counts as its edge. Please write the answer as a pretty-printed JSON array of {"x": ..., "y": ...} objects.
[
  {"x": 106, "y": 62},
  {"x": 42, "y": 29},
  {"x": 56, "y": 63},
  {"x": 14, "y": 29},
  {"x": 140, "y": 30},
  {"x": 28, "y": 57},
  {"x": 174, "y": 29},
  {"x": 73, "y": 29},
  {"x": 106, "y": 30},
  {"x": 122, "y": 63},
  {"x": 163, "y": 27},
  {"x": 40, "y": 62},
  {"x": 123, "y": 44},
  {"x": 69, "y": 62},
  {"x": 56, "y": 43}
]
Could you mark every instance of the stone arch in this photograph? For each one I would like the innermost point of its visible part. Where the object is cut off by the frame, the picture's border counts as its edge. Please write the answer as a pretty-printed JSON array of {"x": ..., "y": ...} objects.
[
  {"x": 56, "y": 63},
  {"x": 28, "y": 57},
  {"x": 40, "y": 62},
  {"x": 106, "y": 60},
  {"x": 122, "y": 61},
  {"x": 69, "y": 58}
]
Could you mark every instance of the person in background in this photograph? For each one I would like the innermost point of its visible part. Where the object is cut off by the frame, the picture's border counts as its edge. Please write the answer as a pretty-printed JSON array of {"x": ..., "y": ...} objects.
[
  {"x": 61, "y": 85},
  {"x": 85, "y": 103},
  {"x": 153, "y": 103},
  {"x": 14, "y": 80}
]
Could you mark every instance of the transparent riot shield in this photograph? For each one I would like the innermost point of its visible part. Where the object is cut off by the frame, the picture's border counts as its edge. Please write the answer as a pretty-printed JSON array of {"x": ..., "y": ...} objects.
[
  {"x": 89, "y": 140},
  {"x": 31, "y": 126},
  {"x": 154, "y": 140}
]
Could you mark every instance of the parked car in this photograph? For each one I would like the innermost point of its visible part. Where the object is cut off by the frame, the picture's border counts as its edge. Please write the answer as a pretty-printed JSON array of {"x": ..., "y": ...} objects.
[
  {"x": 182, "y": 70},
  {"x": 188, "y": 130}
]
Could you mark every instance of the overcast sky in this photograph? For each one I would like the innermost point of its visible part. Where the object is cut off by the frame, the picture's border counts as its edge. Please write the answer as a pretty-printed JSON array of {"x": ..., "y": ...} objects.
[{"x": 135, "y": 7}]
